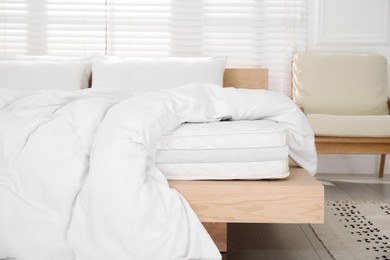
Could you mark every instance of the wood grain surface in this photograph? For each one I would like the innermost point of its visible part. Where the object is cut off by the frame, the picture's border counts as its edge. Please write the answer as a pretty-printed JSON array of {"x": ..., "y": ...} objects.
[
  {"x": 296, "y": 199},
  {"x": 255, "y": 78}
]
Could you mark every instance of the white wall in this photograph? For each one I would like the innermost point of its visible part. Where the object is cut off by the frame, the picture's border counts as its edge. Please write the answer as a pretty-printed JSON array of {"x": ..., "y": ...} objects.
[{"x": 350, "y": 26}]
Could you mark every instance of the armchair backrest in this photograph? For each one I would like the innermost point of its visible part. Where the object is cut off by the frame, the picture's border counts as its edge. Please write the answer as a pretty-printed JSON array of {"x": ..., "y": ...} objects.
[{"x": 340, "y": 84}]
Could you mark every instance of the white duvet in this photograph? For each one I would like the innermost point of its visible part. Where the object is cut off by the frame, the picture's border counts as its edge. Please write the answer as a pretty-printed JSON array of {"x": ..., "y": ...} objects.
[{"x": 77, "y": 178}]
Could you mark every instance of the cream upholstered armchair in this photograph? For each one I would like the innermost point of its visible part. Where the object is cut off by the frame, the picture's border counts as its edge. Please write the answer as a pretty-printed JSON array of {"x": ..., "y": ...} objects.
[{"x": 345, "y": 99}]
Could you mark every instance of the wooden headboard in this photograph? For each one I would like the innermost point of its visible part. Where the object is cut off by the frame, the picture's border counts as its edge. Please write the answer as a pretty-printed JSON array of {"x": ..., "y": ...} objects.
[{"x": 256, "y": 78}]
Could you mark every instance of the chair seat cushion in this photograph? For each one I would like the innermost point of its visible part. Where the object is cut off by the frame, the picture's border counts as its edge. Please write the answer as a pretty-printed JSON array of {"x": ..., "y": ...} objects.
[{"x": 350, "y": 126}]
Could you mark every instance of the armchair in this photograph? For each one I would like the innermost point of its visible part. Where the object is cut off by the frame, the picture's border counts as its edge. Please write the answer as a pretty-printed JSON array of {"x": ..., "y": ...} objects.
[{"x": 345, "y": 99}]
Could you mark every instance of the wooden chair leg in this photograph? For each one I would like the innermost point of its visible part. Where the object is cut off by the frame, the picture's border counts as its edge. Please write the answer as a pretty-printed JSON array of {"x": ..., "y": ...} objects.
[
  {"x": 382, "y": 166},
  {"x": 218, "y": 232}
]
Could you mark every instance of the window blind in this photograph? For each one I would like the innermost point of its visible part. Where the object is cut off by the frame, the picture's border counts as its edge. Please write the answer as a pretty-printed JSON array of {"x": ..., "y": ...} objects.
[
  {"x": 252, "y": 33},
  {"x": 52, "y": 27}
]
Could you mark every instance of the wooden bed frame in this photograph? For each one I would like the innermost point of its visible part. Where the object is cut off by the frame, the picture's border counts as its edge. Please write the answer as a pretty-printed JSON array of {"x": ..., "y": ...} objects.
[{"x": 296, "y": 199}]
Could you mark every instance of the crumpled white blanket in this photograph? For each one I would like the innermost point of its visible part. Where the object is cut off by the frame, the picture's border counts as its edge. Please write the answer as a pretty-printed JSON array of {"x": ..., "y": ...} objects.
[{"x": 77, "y": 178}]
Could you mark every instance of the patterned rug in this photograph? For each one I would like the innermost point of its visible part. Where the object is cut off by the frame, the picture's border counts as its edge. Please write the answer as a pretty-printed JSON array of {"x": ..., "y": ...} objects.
[{"x": 356, "y": 230}]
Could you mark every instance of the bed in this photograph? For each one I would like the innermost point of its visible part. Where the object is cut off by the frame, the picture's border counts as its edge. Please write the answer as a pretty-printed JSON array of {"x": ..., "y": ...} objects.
[
  {"x": 77, "y": 168},
  {"x": 296, "y": 199}
]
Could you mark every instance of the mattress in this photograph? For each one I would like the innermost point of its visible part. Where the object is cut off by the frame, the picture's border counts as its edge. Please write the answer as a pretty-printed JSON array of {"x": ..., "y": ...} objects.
[{"x": 224, "y": 150}]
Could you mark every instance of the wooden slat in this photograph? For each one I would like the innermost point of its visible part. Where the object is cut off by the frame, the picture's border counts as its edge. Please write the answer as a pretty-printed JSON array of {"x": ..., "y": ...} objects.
[
  {"x": 372, "y": 140},
  {"x": 342, "y": 148},
  {"x": 335, "y": 147},
  {"x": 296, "y": 199},
  {"x": 218, "y": 232},
  {"x": 256, "y": 78}
]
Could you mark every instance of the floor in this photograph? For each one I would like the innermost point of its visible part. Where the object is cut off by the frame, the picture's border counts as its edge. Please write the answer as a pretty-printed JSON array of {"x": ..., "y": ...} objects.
[{"x": 291, "y": 241}]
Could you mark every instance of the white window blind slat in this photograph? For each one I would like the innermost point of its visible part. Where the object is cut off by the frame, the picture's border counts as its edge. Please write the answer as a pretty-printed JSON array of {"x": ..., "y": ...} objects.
[
  {"x": 253, "y": 33},
  {"x": 52, "y": 27}
]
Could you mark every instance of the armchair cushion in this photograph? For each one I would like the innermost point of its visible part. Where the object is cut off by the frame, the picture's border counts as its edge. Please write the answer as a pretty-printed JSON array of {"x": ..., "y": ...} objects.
[
  {"x": 340, "y": 84},
  {"x": 350, "y": 126}
]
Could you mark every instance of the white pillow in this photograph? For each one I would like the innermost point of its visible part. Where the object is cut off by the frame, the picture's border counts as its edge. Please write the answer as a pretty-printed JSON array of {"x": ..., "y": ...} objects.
[
  {"x": 146, "y": 74},
  {"x": 38, "y": 73}
]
